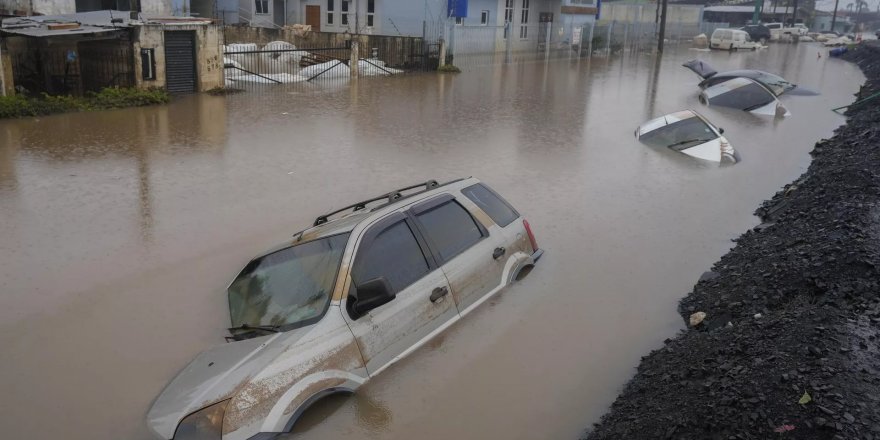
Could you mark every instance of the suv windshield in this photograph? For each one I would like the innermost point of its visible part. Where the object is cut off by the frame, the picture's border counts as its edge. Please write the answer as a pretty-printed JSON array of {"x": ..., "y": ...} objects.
[
  {"x": 288, "y": 288},
  {"x": 680, "y": 135}
]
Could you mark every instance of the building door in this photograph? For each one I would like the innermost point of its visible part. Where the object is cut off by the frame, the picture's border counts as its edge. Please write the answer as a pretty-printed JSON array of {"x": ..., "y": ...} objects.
[
  {"x": 279, "y": 13},
  {"x": 313, "y": 17},
  {"x": 180, "y": 61}
]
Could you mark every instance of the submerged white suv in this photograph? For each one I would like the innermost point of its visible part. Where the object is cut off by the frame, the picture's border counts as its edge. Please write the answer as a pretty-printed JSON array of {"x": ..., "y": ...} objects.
[{"x": 342, "y": 301}]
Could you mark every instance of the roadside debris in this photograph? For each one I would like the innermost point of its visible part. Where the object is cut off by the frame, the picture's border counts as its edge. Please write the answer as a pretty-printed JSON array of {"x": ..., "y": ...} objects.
[
  {"x": 689, "y": 133},
  {"x": 287, "y": 53},
  {"x": 805, "y": 399},
  {"x": 839, "y": 41},
  {"x": 697, "y": 318}
]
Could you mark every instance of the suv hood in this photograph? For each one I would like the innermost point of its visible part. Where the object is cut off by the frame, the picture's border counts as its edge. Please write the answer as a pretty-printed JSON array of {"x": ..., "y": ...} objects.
[{"x": 213, "y": 376}]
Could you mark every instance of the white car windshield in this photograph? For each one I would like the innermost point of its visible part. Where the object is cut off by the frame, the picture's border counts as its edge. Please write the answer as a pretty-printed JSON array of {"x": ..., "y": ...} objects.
[
  {"x": 680, "y": 135},
  {"x": 288, "y": 288}
]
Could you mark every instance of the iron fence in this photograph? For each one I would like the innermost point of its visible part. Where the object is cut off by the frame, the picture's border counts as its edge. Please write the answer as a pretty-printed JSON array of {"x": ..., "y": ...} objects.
[
  {"x": 247, "y": 65},
  {"x": 71, "y": 68}
]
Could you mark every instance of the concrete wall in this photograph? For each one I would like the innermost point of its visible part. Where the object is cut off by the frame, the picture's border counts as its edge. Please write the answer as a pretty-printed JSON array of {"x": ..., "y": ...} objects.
[
  {"x": 209, "y": 54},
  {"x": 248, "y": 10},
  {"x": 169, "y": 7}
]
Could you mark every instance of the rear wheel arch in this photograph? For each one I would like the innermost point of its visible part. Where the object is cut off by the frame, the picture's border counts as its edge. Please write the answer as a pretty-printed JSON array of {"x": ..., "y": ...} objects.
[
  {"x": 523, "y": 271},
  {"x": 518, "y": 270}
]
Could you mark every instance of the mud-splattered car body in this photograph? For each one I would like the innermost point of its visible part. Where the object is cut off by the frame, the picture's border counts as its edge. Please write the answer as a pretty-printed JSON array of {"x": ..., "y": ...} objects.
[{"x": 401, "y": 272}]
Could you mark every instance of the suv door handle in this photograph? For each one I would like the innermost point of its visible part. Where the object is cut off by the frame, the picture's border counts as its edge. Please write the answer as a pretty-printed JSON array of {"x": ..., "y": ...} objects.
[
  {"x": 438, "y": 293},
  {"x": 499, "y": 251}
]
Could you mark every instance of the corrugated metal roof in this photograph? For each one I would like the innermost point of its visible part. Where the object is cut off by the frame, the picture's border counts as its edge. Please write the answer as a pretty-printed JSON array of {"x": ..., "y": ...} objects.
[{"x": 42, "y": 31}]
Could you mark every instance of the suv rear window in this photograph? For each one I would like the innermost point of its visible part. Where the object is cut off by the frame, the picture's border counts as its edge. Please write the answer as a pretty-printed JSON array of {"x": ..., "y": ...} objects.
[
  {"x": 491, "y": 203},
  {"x": 451, "y": 228},
  {"x": 394, "y": 254}
]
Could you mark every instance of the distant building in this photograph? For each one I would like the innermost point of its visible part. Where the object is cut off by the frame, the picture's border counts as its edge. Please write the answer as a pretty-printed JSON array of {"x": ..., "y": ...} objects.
[
  {"x": 420, "y": 17},
  {"x": 822, "y": 22},
  {"x": 742, "y": 15}
]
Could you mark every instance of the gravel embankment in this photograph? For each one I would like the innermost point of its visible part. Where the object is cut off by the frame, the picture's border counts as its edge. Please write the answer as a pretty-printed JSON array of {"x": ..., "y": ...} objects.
[{"x": 789, "y": 347}]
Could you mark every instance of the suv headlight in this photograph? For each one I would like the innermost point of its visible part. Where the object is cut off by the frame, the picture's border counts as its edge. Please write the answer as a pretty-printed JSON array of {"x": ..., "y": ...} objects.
[{"x": 204, "y": 424}]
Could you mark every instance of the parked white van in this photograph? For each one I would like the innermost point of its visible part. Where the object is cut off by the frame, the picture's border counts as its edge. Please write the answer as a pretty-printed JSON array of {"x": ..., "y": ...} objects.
[{"x": 731, "y": 39}]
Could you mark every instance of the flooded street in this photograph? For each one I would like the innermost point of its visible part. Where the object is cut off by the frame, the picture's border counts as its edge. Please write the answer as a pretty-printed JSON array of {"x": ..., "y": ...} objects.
[{"x": 119, "y": 232}]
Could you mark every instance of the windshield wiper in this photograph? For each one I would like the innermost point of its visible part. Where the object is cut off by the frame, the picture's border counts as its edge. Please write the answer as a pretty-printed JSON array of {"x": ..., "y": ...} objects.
[
  {"x": 688, "y": 141},
  {"x": 265, "y": 328}
]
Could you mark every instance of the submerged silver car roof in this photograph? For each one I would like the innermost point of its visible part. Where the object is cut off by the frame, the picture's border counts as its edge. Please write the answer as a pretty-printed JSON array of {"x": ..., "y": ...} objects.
[{"x": 325, "y": 227}]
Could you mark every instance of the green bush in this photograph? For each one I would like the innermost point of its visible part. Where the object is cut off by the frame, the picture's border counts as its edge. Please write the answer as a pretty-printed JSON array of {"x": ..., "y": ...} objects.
[
  {"x": 448, "y": 68},
  {"x": 116, "y": 97},
  {"x": 223, "y": 91},
  {"x": 19, "y": 106}
]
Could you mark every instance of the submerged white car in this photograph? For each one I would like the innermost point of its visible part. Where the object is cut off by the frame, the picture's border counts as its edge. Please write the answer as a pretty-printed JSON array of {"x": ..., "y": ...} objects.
[
  {"x": 689, "y": 133},
  {"x": 342, "y": 301},
  {"x": 744, "y": 94}
]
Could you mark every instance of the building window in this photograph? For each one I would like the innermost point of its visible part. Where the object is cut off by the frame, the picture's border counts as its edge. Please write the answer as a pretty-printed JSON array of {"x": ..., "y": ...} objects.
[
  {"x": 261, "y": 6},
  {"x": 484, "y": 18},
  {"x": 524, "y": 20},
  {"x": 345, "y": 12},
  {"x": 371, "y": 12},
  {"x": 508, "y": 16},
  {"x": 330, "y": 8}
]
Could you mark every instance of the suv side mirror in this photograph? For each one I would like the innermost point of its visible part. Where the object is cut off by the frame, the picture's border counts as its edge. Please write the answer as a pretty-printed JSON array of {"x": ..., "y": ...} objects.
[
  {"x": 720, "y": 130},
  {"x": 369, "y": 295}
]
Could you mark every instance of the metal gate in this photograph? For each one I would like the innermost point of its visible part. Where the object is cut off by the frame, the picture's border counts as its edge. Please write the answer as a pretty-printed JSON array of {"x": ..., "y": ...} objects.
[{"x": 180, "y": 61}]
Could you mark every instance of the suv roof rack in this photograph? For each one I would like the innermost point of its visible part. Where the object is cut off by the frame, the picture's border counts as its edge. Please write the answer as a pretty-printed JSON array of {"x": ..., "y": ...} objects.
[{"x": 390, "y": 197}]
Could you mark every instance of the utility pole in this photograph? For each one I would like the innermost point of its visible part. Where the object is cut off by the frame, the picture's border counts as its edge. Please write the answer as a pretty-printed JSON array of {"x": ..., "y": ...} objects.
[
  {"x": 759, "y": 7},
  {"x": 662, "y": 27},
  {"x": 834, "y": 16},
  {"x": 794, "y": 13}
]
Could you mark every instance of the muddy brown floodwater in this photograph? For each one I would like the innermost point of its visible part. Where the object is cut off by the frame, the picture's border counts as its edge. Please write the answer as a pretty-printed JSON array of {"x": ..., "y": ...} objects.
[{"x": 121, "y": 229}]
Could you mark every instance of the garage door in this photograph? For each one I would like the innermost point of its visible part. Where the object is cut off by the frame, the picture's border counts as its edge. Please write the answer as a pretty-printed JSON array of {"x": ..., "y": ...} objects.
[{"x": 180, "y": 61}]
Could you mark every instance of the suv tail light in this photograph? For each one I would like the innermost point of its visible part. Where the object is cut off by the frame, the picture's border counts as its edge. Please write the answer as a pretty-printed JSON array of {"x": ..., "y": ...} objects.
[{"x": 531, "y": 235}]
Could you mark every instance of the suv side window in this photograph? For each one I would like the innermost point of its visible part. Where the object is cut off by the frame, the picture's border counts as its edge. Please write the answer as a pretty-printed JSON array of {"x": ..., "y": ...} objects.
[
  {"x": 450, "y": 228},
  {"x": 394, "y": 254},
  {"x": 500, "y": 212}
]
